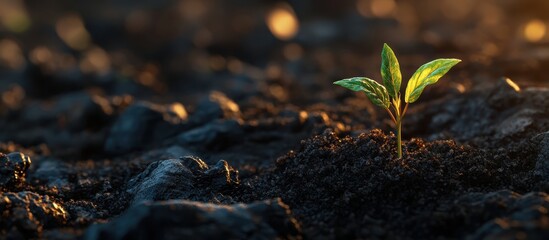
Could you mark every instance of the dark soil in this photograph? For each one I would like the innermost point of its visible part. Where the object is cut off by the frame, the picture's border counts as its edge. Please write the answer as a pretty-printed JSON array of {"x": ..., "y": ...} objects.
[{"x": 190, "y": 119}]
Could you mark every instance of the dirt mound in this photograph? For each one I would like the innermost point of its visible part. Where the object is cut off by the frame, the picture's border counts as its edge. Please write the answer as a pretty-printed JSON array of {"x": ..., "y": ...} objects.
[{"x": 359, "y": 187}]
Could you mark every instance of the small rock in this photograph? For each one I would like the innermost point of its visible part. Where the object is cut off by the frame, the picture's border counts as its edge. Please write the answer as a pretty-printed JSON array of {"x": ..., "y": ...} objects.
[
  {"x": 144, "y": 123},
  {"x": 25, "y": 214},
  {"x": 216, "y": 106},
  {"x": 174, "y": 151},
  {"x": 286, "y": 121},
  {"x": 219, "y": 133},
  {"x": 318, "y": 122},
  {"x": 162, "y": 180},
  {"x": 516, "y": 124},
  {"x": 195, "y": 164},
  {"x": 542, "y": 164},
  {"x": 181, "y": 219},
  {"x": 184, "y": 178},
  {"x": 13, "y": 168},
  {"x": 538, "y": 98},
  {"x": 77, "y": 111},
  {"x": 82, "y": 211},
  {"x": 528, "y": 218},
  {"x": 52, "y": 173},
  {"x": 220, "y": 176},
  {"x": 504, "y": 95}
]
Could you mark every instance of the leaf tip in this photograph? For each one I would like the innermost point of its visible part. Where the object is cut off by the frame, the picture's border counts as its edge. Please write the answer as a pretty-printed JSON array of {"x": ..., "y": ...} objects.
[
  {"x": 385, "y": 47},
  {"x": 455, "y": 60}
]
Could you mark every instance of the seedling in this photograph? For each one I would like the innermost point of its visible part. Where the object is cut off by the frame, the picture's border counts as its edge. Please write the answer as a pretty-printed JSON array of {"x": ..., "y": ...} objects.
[{"x": 387, "y": 95}]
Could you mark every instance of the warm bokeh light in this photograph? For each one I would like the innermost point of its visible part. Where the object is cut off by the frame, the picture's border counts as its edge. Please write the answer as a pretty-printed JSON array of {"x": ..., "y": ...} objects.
[
  {"x": 235, "y": 66},
  {"x": 382, "y": 8},
  {"x": 13, "y": 97},
  {"x": 278, "y": 92},
  {"x": 535, "y": 30},
  {"x": 40, "y": 55},
  {"x": 460, "y": 87},
  {"x": 512, "y": 84},
  {"x": 71, "y": 30},
  {"x": 457, "y": 10},
  {"x": 50, "y": 60},
  {"x": 148, "y": 76},
  {"x": 376, "y": 8},
  {"x": 292, "y": 51},
  {"x": 283, "y": 22},
  {"x": 10, "y": 54},
  {"x": 14, "y": 16},
  {"x": 95, "y": 60},
  {"x": 179, "y": 110}
]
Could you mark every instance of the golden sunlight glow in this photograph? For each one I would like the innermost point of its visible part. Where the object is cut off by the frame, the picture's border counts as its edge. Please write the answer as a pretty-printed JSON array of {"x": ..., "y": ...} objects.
[
  {"x": 179, "y": 110},
  {"x": 283, "y": 22},
  {"x": 278, "y": 92},
  {"x": 71, "y": 30},
  {"x": 535, "y": 30},
  {"x": 303, "y": 115},
  {"x": 382, "y": 8},
  {"x": 460, "y": 87},
  {"x": 232, "y": 106},
  {"x": 512, "y": 84}
]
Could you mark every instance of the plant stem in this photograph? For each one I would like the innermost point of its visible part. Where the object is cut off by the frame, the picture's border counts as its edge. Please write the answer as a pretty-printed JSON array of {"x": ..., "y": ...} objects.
[
  {"x": 404, "y": 111},
  {"x": 399, "y": 141},
  {"x": 392, "y": 116}
]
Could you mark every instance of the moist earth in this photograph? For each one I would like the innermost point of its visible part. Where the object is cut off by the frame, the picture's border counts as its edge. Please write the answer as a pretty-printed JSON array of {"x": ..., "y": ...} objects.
[
  {"x": 166, "y": 144},
  {"x": 478, "y": 179}
]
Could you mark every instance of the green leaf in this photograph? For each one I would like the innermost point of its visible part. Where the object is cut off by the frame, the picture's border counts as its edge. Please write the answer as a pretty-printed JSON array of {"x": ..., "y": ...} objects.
[
  {"x": 375, "y": 91},
  {"x": 426, "y": 75},
  {"x": 390, "y": 71}
]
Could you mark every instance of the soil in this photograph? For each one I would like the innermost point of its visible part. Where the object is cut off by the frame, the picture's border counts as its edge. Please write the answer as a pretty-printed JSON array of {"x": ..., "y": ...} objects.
[{"x": 161, "y": 129}]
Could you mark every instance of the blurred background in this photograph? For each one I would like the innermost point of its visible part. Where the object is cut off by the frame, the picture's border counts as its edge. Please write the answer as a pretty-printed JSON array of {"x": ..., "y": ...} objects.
[{"x": 290, "y": 51}]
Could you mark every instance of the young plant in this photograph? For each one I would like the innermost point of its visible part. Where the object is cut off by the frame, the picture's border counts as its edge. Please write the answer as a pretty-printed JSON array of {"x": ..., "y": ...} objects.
[{"x": 387, "y": 95}]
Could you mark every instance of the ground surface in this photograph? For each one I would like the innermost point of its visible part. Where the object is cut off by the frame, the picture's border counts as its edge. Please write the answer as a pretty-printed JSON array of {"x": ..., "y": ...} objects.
[{"x": 239, "y": 135}]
